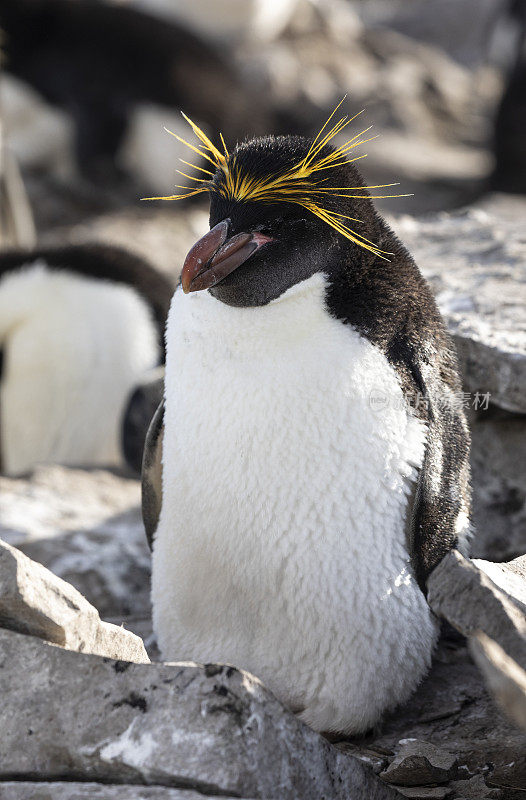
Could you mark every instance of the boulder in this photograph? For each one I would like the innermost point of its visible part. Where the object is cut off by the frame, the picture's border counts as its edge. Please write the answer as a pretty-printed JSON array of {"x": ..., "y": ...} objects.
[
  {"x": 462, "y": 28},
  {"x": 464, "y": 595},
  {"x": 498, "y": 465},
  {"x": 510, "y": 577},
  {"x": 215, "y": 730},
  {"x": 35, "y": 601}
]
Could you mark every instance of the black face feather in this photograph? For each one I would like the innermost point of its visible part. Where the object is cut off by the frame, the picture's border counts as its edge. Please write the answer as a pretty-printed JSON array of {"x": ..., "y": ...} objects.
[{"x": 302, "y": 242}]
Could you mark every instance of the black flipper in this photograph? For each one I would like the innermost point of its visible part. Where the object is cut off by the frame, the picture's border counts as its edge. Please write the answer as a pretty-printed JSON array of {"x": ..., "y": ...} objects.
[
  {"x": 142, "y": 405},
  {"x": 441, "y": 506},
  {"x": 152, "y": 473},
  {"x": 441, "y": 503}
]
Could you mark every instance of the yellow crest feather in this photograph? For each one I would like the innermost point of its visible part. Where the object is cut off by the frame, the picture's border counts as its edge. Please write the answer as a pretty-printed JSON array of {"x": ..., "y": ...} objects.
[{"x": 300, "y": 184}]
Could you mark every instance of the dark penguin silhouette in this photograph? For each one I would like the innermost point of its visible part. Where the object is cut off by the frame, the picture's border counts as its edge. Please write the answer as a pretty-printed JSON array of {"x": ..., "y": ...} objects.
[
  {"x": 97, "y": 60},
  {"x": 81, "y": 332},
  {"x": 509, "y": 143},
  {"x": 315, "y": 460}
]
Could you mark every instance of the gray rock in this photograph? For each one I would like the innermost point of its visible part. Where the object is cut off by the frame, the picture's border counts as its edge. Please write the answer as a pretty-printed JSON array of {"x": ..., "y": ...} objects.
[
  {"x": 419, "y": 763},
  {"x": 510, "y": 577},
  {"x": 35, "y": 601},
  {"x": 212, "y": 729},
  {"x": 474, "y": 260},
  {"x": 66, "y": 790},
  {"x": 376, "y": 761},
  {"x": 510, "y": 777},
  {"x": 465, "y": 596},
  {"x": 498, "y": 464},
  {"x": 86, "y": 527},
  {"x": 506, "y": 680},
  {"x": 453, "y": 710},
  {"x": 425, "y": 792},
  {"x": 462, "y": 28},
  {"x": 475, "y": 788}
]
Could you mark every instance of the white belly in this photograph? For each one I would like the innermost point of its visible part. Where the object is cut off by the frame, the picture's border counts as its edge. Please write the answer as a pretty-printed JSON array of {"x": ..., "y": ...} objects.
[
  {"x": 281, "y": 546},
  {"x": 74, "y": 349}
]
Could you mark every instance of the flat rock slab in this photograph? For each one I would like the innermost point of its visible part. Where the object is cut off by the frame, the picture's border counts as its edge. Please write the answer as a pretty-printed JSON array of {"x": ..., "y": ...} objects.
[
  {"x": 510, "y": 577},
  {"x": 419, "y": 763},
  {"x": 464, "y": 595},
  {"x": 35, "y": 601},
  {"x": 66, "y": 790},
  {"x": 214, "y": 729},
  {"x": 86, "y": 527}
]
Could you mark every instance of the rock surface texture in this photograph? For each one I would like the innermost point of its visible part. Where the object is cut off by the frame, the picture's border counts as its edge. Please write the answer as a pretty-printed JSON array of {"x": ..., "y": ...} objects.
[
  {"x": 505, "y": 678},
  {"x": 34, "y": 601},
  {"x": 70, "y": 790},
  {"x": 213, "y": 729},
  {"x": 420, "y": 764},
  {"x": 464, "y": 595},
  {"x": 474, "y": 260},
  {"x": 86, "y": 527}
]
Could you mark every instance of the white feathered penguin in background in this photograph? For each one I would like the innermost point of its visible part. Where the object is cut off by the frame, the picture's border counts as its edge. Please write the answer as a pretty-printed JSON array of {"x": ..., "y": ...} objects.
[
  {"x": 80, "y": 328},
  {"x": 305, "y": 493}
]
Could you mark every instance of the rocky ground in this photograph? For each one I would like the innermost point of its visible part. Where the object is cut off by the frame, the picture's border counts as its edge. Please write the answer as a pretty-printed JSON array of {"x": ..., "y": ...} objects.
[
  {"x": 84, "y": 710},
  {"x": 83, "y": 725}
]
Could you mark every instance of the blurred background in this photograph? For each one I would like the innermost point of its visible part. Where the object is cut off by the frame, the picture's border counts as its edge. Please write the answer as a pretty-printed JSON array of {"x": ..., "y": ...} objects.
[{"x": 87, "y": 87}]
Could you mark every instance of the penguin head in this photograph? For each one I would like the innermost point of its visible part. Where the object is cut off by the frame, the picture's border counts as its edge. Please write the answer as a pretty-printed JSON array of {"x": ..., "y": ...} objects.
[{"x": 281, "y": 209}]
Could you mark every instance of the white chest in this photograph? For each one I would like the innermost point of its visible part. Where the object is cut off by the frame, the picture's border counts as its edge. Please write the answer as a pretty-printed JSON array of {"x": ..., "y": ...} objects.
[{"x": 282, "y": 533}]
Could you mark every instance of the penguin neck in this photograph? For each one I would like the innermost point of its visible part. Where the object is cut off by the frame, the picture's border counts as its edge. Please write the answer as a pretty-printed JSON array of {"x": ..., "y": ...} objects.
[{"x": 291, "y": 318}]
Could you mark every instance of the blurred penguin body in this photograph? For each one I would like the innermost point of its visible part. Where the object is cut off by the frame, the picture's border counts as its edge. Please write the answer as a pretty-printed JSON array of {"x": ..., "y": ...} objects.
[
  {"x": 39, "y": 136},
  {"x": 304, "y": 499},
  {"x": 228, "y": 21},
  {"x": 97, "y": 61},
  {"x": 74, "y": 348}
]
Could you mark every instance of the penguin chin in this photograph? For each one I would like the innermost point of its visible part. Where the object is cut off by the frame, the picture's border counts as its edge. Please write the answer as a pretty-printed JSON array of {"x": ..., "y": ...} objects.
[
  {"x": 257, "y": 294},
  {"x": 273, "y": 271},
  {"x": 262, "y": 279}
]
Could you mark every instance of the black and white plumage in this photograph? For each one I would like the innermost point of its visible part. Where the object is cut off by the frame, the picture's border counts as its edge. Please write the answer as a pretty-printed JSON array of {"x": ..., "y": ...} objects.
[
  {"x": 80, "y": 329},
  {"x": 304, "y": 500}
]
